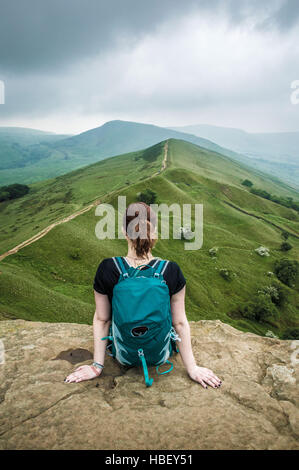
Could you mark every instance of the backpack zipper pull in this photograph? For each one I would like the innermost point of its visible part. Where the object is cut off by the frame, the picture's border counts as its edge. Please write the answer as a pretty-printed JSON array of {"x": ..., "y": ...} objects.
[
  {"x": 107, "y": 337},
  {"x": 174, "y": 335},
  {"x": 148, "y": 381}
]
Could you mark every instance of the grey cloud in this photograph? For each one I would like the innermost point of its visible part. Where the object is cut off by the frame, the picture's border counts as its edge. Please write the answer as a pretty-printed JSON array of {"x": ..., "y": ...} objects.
[
  {"x": 37, "y": 34},
  {"x": 284, "y": 18},
  {"x": 43, "y": 34},
  {"x": 71, "y": 57}
]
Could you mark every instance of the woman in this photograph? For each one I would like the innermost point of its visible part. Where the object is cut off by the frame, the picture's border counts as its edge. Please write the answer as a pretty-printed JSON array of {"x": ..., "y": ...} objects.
[{"x": 139, "y": 252}]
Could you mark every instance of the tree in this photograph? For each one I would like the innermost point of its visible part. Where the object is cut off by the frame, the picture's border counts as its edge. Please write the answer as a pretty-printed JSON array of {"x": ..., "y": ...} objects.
[
  {"x": 291, "y": 333},
  {"x": 261, "y": 193},
  {"x": 285, "y": 234},
  {"x": 276, "y": 291},
  {"x": 13, "y": 191},
  {"x": 247, "y": 183},
  {"x": 286, "y": 271},
  {"x": 148, "y": 196},
  {"x": 286, "y": 202},
  {"x": 285, "y": 246},
  {"x": 260, "y": 308},
  {"x": 4, "y": 195}
]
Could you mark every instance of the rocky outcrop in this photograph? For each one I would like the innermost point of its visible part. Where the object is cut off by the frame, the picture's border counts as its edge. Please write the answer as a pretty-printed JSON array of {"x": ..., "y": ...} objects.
[{"x": 256, "y": 407}]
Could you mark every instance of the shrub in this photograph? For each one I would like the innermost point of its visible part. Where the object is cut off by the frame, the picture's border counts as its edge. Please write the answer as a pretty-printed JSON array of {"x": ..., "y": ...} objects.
[
  {"x": 75, "y": 255},
  {"x": 4, "y": 195},
  {"x": 285, "y": 234},
  {"x": 285, "y": 246},
  {"x": 291, "y": 333},
  {"x": 286, "y": 202},
  {"x": 227, "y": 274},
  {"x": 270, "y": 334},
  {"x": 260, "y": 308},
  {"x": 276, "y": 292},
  {"x": 262, "y": 251},
  {"x": 282, "y": 294},
  {"x": 286, "y": 271},
  {"x": 213, "y": 251},
  {"x": 271, "y": 291},
  {"x": 261, "y": 193},
  {"x": 13, "y": 191},
  {"x": 148, "y": 196},
  {"x": 247, "y": 183},
  {"x": 185, "y": 233}
]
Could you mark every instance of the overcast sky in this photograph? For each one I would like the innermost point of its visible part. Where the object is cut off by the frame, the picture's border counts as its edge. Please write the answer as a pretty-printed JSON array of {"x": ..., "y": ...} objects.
[{"x": 71, "y": 65}]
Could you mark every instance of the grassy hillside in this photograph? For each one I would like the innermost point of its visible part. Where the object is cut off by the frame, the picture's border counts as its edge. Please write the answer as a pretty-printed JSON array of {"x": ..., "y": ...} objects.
[
  {"x": 274, "y": 153},
  {"x": 27, "y": 155},
  {"x": 225, "y": 177},
  {"x": 274, "y": 146},
  {"x": 47, "y": 159},
  {"x": 116, "y": 137},
  {"x": 26, "y": 136},
  {"x": 23, "y": 153},
  {"x": 56, "y": 198},
  {"x": 51, "y": 279}
]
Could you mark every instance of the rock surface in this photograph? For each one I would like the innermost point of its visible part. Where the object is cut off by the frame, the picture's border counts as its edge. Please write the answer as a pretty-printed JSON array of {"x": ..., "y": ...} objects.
[{"x": 256, "y": 407}]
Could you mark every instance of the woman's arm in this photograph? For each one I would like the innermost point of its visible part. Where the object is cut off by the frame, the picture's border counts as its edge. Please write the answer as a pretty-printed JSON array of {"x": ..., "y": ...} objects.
[
  {"x": 101, "y": 324},
  {"x": 179, "y": 320}
]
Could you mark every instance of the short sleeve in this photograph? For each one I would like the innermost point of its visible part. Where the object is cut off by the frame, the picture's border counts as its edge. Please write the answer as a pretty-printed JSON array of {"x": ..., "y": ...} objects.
[
  {"x": 174, "y": 277},
  {"x": 100, "y": 283},
  {"x": 106, "y": 277}
]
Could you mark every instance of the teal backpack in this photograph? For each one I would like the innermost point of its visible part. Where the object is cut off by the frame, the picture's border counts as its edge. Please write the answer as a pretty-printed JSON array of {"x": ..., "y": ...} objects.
[{"x": 141, "y": 331}]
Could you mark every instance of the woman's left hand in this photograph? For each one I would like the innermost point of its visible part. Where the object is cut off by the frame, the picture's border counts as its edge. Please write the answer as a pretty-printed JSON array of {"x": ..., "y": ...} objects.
[
  {"x": 204, "y": 376},
  {"x": 83, "y": 373}
]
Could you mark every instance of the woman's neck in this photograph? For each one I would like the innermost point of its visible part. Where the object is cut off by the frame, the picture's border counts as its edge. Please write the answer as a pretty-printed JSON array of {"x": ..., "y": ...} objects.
[{"x": 133, "y": 258}]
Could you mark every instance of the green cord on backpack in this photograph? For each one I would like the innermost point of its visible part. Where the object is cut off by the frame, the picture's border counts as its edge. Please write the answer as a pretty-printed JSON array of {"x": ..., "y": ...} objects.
[{"x": 141, "y": 329}]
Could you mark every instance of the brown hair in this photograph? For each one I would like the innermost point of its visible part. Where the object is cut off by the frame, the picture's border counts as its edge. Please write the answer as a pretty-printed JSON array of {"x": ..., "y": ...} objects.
[{"x": 148, "y": 220}]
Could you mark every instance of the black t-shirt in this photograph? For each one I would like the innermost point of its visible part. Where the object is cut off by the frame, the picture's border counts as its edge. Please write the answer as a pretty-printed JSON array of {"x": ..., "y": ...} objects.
[{"x": 107, "y": 276}]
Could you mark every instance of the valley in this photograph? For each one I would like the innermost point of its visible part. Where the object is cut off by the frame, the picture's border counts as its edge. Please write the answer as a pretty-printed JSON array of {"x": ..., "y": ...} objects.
[{"x": 54, "y": 253}]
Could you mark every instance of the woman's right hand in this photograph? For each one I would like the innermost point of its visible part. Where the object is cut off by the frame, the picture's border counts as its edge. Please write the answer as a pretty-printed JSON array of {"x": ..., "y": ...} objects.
[{"x": 83, "y": 373}]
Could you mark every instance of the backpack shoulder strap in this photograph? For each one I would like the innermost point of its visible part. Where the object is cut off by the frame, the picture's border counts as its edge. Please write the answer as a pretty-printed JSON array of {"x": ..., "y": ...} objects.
[
  {"x": 156, "y": 262},
  {"x": 161, "y": 266},
  {"x": 120, "y": 265}
]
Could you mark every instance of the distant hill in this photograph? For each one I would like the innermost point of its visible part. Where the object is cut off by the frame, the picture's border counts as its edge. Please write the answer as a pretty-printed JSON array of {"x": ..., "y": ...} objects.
[
  {"x": 51, "y": 279},
  {"x": 20, "y": 163},
  {"x": 21, "y": 152},
  {"x": 28, "y": 136},
  {"x": 279, "y": 147},
  {"x": 276, "y": 153},
  {"x": 115, "y": 137}
]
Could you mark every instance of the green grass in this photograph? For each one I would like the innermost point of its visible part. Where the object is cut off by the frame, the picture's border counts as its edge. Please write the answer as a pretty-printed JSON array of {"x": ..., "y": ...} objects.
[
  {"x": 54, "y": 199},
  {"x": 44, "y": 282},
  {"x": 27, "y": 155}
]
